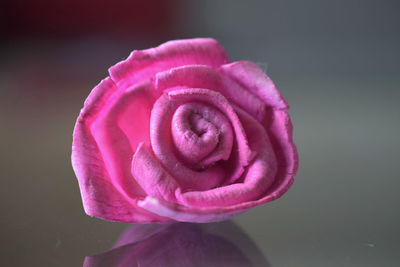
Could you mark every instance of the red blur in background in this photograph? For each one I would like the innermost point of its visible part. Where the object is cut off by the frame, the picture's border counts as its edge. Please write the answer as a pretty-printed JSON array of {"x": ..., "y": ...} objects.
[
  {"x": 55, "y": 46},
  {"x": 49, "y": 18}
]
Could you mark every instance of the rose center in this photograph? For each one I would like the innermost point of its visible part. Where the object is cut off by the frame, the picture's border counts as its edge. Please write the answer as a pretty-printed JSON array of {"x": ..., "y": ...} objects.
[{"x": 201, "y": 134}]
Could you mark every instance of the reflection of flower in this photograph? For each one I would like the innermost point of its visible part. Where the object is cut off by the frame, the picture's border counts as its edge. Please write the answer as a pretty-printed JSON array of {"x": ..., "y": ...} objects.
[
  {"x": 181, "y": 244},
  {"x": 177, "y": 133}
]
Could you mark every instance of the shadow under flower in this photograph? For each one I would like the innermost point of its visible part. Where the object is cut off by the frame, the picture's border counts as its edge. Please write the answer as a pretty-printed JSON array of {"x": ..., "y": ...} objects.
[{"x": 181, "y": 244}]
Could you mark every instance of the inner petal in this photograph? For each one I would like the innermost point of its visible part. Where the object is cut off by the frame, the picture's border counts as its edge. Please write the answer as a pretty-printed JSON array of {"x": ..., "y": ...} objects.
[
  {"x": 199, "y": 125},
  {"x": 202, "y": 135},
  {"x": 164, "y": 149}
]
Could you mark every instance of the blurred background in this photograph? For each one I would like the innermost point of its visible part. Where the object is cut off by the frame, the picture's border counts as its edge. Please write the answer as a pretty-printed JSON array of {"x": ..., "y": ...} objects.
[{"x": 335, "y": 62}]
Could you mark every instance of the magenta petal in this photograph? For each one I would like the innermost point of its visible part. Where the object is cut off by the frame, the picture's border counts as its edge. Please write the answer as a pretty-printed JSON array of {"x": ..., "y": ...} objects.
[
  {"x": 143, "y": 64},
  {"x": 99, "y": 196},
  {"x": 250, "y": 76},
  {"x": 281, "y": 134},
  {"x": 117, "y": 135},
  {"x": 208, "y": 78},
  {"x": 151, "y": 176}
]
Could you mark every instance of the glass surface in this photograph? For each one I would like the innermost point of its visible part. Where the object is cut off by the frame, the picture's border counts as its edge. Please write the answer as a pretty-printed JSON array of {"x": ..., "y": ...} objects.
[{"x": 335, "y": 62}]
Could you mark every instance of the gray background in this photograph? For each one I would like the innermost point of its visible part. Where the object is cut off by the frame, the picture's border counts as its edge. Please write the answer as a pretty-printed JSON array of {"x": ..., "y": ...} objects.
[{"x": 335, "y": 62}]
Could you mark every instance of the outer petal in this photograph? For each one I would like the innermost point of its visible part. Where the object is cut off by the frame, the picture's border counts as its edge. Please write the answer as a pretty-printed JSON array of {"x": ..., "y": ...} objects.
[
  {"x": 250, "y": 76},
  {"x": 143, "y": 64},
  {"x": 100, "y": 198},
  {"x": 117, "y": 134},
  {"x": 280, "y": 131}
]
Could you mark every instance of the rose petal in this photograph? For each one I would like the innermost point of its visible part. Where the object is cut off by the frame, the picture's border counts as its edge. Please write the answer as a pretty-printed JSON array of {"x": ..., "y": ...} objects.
[
  {"x": 205, "y": 77},
  {"x": 281, "y": 134},
  {"x": 141, "y": 65},
  {"x": 151, "y": 176},
  {"x": 97, "y": 98},
  {"x": 250, "y": 76},
  {"x": 117, "y": 134},
  {"x": 100, "y": 198}
]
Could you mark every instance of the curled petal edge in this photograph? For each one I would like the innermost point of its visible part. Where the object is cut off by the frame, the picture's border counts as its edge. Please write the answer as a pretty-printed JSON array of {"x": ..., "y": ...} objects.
[
  {"x": 141, "y": 64},
  {"x": 252, "y": 77}
]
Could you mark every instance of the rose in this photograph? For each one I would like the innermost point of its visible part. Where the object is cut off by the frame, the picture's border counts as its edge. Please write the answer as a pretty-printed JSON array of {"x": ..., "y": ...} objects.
[
  {"x": 181, "y": 244},
  {"x": 178, "y": 133}
]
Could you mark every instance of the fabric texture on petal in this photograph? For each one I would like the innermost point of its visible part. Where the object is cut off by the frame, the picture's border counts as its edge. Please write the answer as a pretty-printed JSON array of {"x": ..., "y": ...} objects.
[
  {"x": 198, "y": 76},
  {"x": 250, "y": 76}
]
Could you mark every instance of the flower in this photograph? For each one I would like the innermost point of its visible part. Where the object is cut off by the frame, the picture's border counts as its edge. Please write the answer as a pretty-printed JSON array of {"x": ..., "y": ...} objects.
[{"x": 176, "y": 133}]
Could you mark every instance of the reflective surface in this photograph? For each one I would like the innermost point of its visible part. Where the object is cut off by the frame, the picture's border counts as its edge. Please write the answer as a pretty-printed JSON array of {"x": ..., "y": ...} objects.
[
  {"x": 181, "y": 244},
  {"x": 336, "y": 63}
]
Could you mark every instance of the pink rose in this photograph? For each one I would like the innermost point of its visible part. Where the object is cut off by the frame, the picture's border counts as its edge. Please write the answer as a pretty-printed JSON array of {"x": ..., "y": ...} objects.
[{"x": 178, "y": 133}]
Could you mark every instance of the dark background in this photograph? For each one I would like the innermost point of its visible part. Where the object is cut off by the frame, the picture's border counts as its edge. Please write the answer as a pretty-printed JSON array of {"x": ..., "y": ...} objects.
[{"x": 335, "y": 62}]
